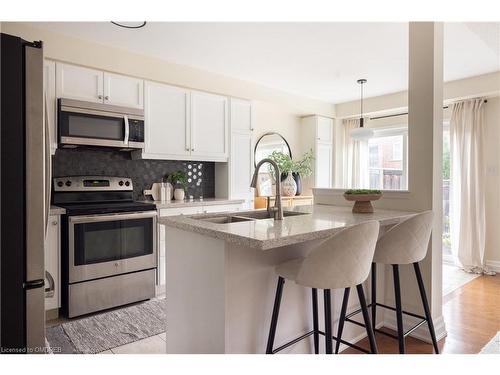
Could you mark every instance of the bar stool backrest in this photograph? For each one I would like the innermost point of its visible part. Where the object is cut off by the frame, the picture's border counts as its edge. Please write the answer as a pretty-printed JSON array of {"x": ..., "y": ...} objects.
[
  {"x": 406, "y": 242},
  {"x": 342, "y": 260}
]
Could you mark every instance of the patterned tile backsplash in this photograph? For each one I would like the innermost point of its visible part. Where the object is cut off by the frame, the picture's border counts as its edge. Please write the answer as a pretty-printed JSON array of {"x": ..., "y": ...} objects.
[{"x": 75, "y": 162}]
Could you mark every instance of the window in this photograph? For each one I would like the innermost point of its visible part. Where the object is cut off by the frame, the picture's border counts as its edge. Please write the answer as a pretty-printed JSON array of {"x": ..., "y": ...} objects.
[{"x": 387, "y": 166}]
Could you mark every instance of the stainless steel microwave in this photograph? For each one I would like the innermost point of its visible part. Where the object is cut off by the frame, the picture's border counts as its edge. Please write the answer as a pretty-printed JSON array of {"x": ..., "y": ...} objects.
[{"x": 83, "y": 123}]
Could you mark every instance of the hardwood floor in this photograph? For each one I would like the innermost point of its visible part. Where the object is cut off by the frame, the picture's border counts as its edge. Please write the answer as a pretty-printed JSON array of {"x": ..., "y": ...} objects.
[{"x": 472, "y": 318}]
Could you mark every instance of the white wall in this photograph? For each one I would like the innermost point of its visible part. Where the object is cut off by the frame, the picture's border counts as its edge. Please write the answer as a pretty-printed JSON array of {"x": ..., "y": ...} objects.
[{"x": 273, "y": 110}]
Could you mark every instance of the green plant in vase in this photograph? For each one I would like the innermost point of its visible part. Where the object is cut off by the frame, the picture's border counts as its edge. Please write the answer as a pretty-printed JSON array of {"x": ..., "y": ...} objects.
[
  {"x": 297, "y": 169},
  {"x": 179, "y": 181}
]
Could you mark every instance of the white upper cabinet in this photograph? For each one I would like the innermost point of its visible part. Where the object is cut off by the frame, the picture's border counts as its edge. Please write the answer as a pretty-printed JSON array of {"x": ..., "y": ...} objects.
[
  {"x": 49, "y": 87},
  {"x": 167, "y": 121},
  {"x": 76, "y": 82},
  {"x": 80, "y": 83},
  {"x": 209, "y": 126},
  {"x": 123, "y": 91},
  {"x": 324, "y": 129},
  {"x": 241, "y": 115}
]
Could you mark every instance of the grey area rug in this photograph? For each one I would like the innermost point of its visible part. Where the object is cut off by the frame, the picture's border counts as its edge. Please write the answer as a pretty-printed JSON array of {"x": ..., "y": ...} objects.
[
  {"x": 108, "y": 330},
  {"x": 492, "y": 347}
]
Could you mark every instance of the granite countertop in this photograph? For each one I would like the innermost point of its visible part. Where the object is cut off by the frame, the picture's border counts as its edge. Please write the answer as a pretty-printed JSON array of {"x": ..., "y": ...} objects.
[
  {"x": 319, "y": 222},
  {"x": 194, "y": 203},
  {"x": 54, "y": 210}
]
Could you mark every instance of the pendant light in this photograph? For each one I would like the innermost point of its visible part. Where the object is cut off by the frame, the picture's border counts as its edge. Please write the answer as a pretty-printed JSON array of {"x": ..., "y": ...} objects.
[
  {"x": 361, "y": 133},
  {"x": 130, "y": 25}
]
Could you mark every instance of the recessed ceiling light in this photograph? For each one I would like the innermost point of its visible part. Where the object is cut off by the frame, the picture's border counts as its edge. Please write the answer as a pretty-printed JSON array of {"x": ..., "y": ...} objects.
[{"x": 130, "y": 25}]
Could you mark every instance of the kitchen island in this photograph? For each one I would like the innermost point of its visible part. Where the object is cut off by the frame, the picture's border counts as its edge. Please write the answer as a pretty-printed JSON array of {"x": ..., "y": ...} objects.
[{"x": 220, "y": 280}]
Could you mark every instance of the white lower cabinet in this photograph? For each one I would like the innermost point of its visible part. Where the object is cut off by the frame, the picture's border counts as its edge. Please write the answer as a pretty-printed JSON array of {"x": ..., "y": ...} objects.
[
  {"x": 182, "y": 211},
  {"x": 53, "y": 264}
]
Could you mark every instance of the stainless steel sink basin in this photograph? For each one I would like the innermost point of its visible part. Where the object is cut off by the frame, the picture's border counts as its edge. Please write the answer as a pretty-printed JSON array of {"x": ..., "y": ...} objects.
[
  {"x": 225, "y": 219},
  {"x": 258, "y": 215},
  {"x": 245, "y": 216}
]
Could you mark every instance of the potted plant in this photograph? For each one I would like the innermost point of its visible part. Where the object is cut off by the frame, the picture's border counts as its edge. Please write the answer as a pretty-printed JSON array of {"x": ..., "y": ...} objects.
[
  {"x": 179, "y": 181},
  {"x": 303, "y": 168},
  {"x": 362, "y": 199},
  {"x": 292, "y": 171}
]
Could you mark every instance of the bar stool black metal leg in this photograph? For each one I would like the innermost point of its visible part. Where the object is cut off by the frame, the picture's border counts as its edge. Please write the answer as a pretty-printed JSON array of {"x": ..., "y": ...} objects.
[
  {"x": 343, "y": 312},
  {"x": 366, "y": 318},
  {"x": 315, "y": 320},
  {"x": 399, "y": 308},
  {"x": 274, "y": 318},
  {"x": 425, "y": 304},
  {"x": 374, "y": 294},
  {"x": 328, "y": 322}
]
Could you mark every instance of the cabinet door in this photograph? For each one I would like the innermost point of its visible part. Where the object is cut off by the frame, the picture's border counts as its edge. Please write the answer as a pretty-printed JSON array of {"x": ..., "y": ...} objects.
[
  {"x": 323, "y": 170},
  {"x": 324, "y": 129},
  {"x": 241, "y": 166},
  {"x": 49, "y": 86},
  {"x": 123, "y": 91},
  {"x": 209, "y": 125},
  {"x": 241, "y": 115},
  {"x": 167, "y": 121},
  {"x": 52, "y": 263},
  {"x": 76, "y": 82}
]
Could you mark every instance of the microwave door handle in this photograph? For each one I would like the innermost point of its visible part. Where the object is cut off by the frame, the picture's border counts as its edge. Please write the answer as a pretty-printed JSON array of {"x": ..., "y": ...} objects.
[{"x": 127, "y": 129}]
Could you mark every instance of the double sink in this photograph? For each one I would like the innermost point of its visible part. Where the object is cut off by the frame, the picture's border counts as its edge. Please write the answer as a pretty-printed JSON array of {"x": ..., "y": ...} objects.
[{"x": 246, "y": 216}]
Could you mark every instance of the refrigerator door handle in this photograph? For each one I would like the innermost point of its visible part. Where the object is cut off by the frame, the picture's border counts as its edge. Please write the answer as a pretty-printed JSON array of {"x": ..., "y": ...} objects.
[{"x": 48, "y": 162}]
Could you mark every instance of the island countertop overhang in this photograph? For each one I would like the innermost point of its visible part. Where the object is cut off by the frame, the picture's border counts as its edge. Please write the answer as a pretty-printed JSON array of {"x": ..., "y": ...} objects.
[{"x": 319, "y": 222}]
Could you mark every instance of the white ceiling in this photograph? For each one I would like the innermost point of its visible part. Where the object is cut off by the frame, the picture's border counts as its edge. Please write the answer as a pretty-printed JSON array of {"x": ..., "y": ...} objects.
[{"x": 316, "y": 60}]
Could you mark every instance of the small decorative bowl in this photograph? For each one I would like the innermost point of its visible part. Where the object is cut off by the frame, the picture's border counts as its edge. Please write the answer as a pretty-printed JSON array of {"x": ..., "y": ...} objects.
[{"x": 362, "y": 200}]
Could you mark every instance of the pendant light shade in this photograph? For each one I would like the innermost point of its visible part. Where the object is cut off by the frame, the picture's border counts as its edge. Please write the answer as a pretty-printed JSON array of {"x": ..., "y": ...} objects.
[{"x": 361, "y": 133}]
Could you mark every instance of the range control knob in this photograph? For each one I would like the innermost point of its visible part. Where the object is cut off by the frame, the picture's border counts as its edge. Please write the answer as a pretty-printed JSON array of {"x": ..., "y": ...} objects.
[
  {"x": 68, "y": 183},
  {"x": 127, "y": 183},
  {"x": 60, "y": 183},
  {"x": 120, "y": 183}
]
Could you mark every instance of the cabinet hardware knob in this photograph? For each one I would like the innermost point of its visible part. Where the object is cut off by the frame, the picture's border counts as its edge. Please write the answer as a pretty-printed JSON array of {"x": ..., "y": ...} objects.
[
  {"x": 106, "y": 97},
  {"x": 54, "y": 222},
  {"x": 99, "y": 96},
  {"x": 192, "y": 149},
  {"x": 187, "y": 149}
]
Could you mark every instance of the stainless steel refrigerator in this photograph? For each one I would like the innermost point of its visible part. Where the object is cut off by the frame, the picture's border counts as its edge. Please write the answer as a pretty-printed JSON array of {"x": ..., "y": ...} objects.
[{"x": 25, "y": 196}]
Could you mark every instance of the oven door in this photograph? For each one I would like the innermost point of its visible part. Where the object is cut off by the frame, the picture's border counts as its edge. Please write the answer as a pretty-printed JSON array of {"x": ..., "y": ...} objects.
[{"x": 107, "y": 245}]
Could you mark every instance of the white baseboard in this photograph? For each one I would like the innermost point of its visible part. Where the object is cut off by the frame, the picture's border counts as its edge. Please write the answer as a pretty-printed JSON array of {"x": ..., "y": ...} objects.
[
  {"x": 422, "y": 332},
  {"x": 493, "y": 265}
]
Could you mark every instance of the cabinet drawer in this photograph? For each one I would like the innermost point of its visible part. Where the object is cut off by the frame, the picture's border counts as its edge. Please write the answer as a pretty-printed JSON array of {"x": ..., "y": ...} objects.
[
  {"x": 181, "y": 211},
  {"x": 222, "y": 208}
]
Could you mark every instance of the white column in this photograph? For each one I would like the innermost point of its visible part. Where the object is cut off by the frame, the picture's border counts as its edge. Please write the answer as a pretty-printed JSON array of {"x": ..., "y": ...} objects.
[{"x": 425, "y": 131}]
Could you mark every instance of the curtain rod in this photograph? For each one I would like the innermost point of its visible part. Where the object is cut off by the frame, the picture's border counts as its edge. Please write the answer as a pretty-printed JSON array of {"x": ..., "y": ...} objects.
[{"x": 405, "y": 113}]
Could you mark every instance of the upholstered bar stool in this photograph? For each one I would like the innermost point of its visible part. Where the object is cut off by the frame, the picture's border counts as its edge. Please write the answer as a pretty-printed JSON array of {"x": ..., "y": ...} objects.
[
  {"x": 405, "y": 243},
  {"x": 341, "y": 261}
]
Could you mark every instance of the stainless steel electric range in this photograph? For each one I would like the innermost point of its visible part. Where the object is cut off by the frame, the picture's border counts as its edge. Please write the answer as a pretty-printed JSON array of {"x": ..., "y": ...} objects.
[{"x": 108, "y": 247}]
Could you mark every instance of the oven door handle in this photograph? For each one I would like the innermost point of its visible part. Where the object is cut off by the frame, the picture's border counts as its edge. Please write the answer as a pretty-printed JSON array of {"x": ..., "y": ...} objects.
[
  {"x": 112, "y": 217},
  {"x": 127, "y": 129}
]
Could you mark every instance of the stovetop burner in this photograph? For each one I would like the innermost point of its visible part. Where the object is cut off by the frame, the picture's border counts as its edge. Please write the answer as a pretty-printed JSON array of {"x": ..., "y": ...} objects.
[
  {"x": 89, "y": 195},
  {"x": 106, "y": 208}
]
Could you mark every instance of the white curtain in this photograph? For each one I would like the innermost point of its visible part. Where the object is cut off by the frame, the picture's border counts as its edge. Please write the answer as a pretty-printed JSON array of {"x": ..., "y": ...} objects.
[
  {"x": 356, "y": 158},
  {"x": 467, "y": 216}
]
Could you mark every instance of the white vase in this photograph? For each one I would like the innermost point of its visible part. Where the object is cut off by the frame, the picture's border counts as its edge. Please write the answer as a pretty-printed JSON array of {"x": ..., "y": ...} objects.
[
  {"x": 289, "y": 186},
  {"x": 179, "y": 194}
]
